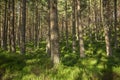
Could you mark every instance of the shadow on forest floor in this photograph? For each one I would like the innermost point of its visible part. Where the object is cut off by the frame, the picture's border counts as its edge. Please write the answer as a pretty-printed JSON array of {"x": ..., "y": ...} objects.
[
  {"x": 15, "y": 66},
  {"x": 36, "y": 65}
]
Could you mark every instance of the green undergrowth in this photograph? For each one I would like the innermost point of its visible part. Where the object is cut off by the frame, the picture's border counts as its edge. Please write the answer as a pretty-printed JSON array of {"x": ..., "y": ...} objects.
[{"x": 37, "y": 65}]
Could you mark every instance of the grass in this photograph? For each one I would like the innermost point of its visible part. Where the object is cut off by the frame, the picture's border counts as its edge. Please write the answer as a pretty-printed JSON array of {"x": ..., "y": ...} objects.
[{"x": 37, "y": 65}]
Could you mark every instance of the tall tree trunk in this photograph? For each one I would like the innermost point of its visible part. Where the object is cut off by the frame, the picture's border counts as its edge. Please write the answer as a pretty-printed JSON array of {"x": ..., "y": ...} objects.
[
  {"x": 66, "y": 24},
  {"x": 54, "y": 32},
  {"x": 106, "y": 13},
  {"x": 76, "y": 20},
  {"x": 90, "y": 32},
  {"x": 48, "y": 46},
  {"x": 36, "y": 26},
  {"x": 101, "y": 18},
  {"x": 5, "y": 27},
  {"x": 39, "y": 23},
  {"x": 23, "y": 25},
  {"x": 81, "y": 41},
  {"x": 19, "y": 23},
  {"x": 12, "y": 20},
  {"x": 73, "y": 28},
  {"x": 96, "y": 21},
  {"x": 33, "y": 21},
  {"x": 0, "y": 24},
  {"x": 115, "y": 24},
  {"x": 9, "y": 25}
]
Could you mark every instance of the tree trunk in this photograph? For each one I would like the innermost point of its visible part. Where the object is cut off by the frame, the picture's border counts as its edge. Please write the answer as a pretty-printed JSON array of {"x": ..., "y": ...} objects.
[
  {"x": 19, "y": 24},
  {"x": 23, "y": 25},
  {"x": 73, "y": 28},
  {"x": 54, "y": 32},
  {"x": 115, "y": 24},
  {"x": 5, "y": 28},
  {"x": 101, "y": 18},
  {"x": 36, "y": 26},
  {"x": 76, "y": 19},
  {"x": 33, "y": 23},
  {"x": 106, "y": 13},
  {"x": 96, "y": 21},
  {"x": 0, "y": 25},
  {"x": 90, "y": 32},
  {"x": 66, "y": 24},
  {"x": 48, "y": 46},
  {"x": 81, "y": 41},
  {"x": 12, "y": 20}
]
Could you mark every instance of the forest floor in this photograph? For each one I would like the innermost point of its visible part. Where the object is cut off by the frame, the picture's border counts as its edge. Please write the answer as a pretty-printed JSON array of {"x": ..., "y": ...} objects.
[{"x": 36, "y": 64}]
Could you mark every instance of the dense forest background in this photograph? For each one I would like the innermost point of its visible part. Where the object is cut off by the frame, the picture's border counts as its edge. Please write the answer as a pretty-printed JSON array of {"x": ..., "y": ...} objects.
[{"x": 59, "y": 40}]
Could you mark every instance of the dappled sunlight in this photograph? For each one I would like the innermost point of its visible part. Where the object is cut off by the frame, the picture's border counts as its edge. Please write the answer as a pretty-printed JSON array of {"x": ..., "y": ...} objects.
[
  {"x": 37, "y": 65},
  {"x": 59, "y": 39}
]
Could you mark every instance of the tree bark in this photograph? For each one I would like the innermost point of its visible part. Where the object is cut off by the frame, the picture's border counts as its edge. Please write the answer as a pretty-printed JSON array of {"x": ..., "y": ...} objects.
[
  {"x": 81, "y": 40},
  {"x": 5, "y": 28},
  {"x": 48, "y": 46},
  {"x": 19, "y": 23},
  {"x": 66, "y": 24},
  {"x": 96, "y": 31},
  {"x": 23, "y": 25},
  {"x": 0, "y": 24},
  {"x": 54, "y": 32},
  {"x": 73, "y": 28},
  {"x": 12, "y": 22},
  {"x": 36, "y": 26},
  {"x": 106, "y": 13},
  {"x": 115, "y": 24}
]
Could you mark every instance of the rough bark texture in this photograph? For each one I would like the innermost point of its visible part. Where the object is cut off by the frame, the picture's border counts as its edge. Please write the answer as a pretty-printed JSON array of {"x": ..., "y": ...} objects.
[
  {"x": 106, "y": 15},
  {"x": 0, "y": 24},
  {"x": 48, "y": 46},
  {"x": 73, "y": 28},
  {"x": 54, "y": 32},
  {"x": 19, "y": 24},
  {"x": 81, "y": 41},
  {"x": 23, "y": 25},
  {"x": 12, "y": 27},
  {"x": 115, "y": 24},
  {"x": 66, "y": 24},
  {"x": 36, "y": 27},
  {"x": 4, "y": 29}
]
